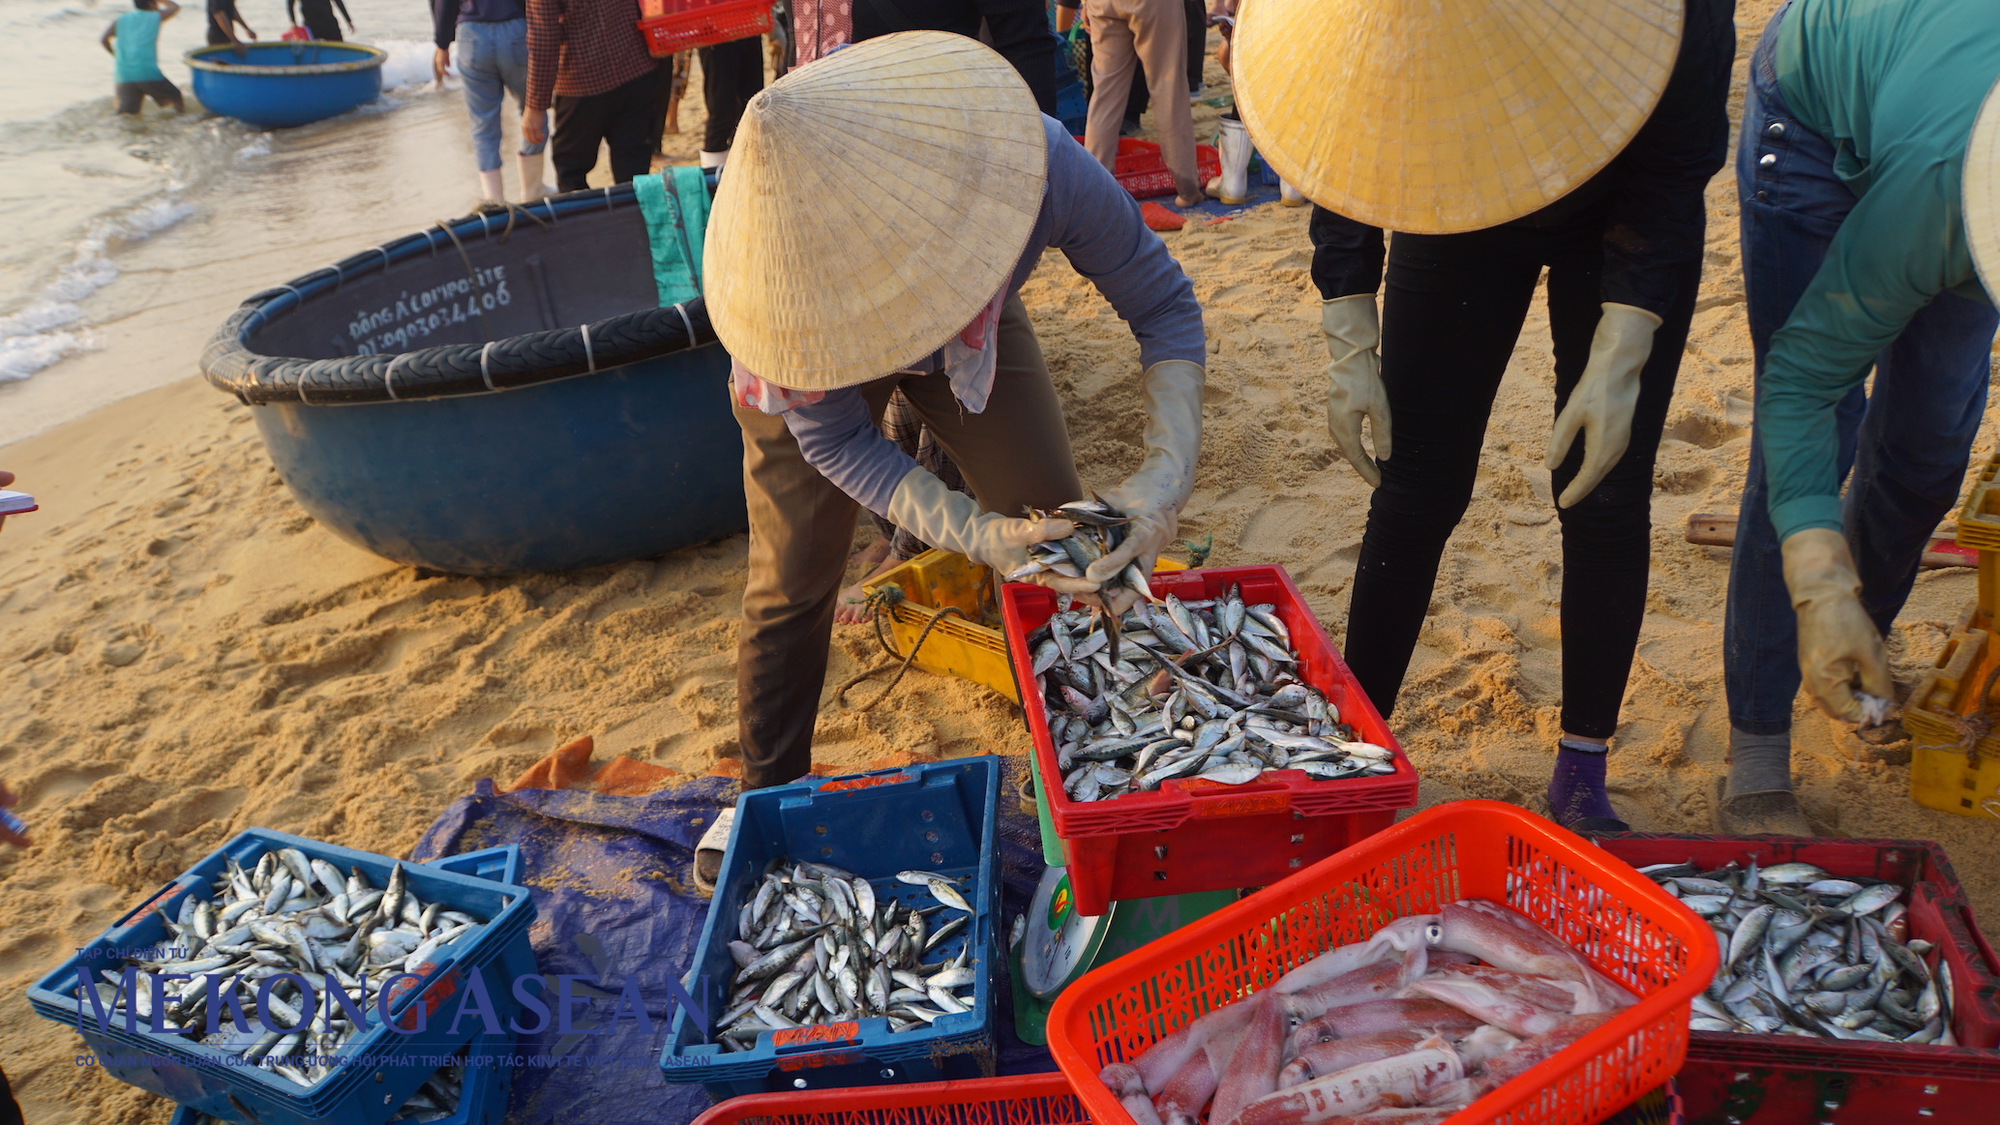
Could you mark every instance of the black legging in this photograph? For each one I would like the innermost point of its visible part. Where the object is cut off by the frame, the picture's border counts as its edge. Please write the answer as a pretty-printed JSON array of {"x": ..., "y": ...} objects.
[
  {"x": 1452, "y": 310},
  {"x": 731, "y": 74}
]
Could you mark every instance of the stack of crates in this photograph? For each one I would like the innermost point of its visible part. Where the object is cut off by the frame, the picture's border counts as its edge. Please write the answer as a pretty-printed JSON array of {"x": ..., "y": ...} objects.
[{"x": 1955, "y": 767}]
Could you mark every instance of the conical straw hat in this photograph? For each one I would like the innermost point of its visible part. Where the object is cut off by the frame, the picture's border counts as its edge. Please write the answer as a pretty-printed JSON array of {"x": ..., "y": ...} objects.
[
  {"x": 1435, "y": 116},
  {"x": 875, "y": 201},
  {"x": 1980, "y": 192}
]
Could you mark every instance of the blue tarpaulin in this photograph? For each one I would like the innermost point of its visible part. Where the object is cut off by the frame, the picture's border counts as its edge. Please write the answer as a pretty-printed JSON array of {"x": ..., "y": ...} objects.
[{"x": 614, "y": 907}]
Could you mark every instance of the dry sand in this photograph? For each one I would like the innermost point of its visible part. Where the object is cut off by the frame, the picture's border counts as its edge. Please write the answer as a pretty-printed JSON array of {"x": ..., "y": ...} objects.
[{"x": 187, "y": 654}]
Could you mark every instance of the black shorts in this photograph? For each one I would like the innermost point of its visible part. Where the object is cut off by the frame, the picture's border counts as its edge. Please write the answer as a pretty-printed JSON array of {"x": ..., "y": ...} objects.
[{"x": 130, "y": 94}]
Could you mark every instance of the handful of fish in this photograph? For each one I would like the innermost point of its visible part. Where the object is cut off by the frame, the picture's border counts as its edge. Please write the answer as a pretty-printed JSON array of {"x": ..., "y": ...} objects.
[
  {"x": 1100, "y": 528},
  {"x": 289, "y": 914},
  {"x": 1812, "y": 954},
  {"x": 1202, "y": 689},
  {"x": 436, "y": 1100},
  {"x": 1410, "y": 1026},
  {"x": 819, "y": 945}
]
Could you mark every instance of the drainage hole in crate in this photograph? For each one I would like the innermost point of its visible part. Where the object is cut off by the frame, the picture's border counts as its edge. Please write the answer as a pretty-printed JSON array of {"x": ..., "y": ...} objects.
[
  {"x": 937, "y": 857},
  {"x": 1159, "y": 851},
  {"x": 926, "y": 815},
  {"x": 820, "y": 829},
  {"x": 1294, "y": 862},
  {"x": 1931, "y": 1089},
  {"x": 826, "y": 853},
  {"x": 930, "y": 836},
  {"x": 1159, "y": 876},
  {"x": 1298, "y": 837}
]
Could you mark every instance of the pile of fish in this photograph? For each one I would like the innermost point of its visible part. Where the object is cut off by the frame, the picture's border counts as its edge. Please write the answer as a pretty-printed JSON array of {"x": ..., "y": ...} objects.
[
  {"x": 289, "y": 914},
  {"x": 816, "y": 945},
  {"x": 437, "y": 1100},
  {"x": 1100, "y": 528},
  {"x": 1813, "y": 954},
  {"x": 1200, "y": 689},
  {"x": 1410, "y": 1026}
]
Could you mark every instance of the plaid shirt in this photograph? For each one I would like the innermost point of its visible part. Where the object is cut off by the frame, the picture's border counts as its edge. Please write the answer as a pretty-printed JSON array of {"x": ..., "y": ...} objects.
[{"x": 581, "y": 47}]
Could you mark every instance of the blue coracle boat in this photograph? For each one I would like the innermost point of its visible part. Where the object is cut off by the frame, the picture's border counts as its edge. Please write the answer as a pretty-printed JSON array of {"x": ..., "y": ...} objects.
[
  {"x": 277, "y": 85},
  {"x": 496, "y": 395}
]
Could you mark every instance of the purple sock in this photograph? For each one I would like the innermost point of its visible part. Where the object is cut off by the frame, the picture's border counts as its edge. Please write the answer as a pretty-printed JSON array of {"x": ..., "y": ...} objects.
[{"x": 1576, "y": 790}]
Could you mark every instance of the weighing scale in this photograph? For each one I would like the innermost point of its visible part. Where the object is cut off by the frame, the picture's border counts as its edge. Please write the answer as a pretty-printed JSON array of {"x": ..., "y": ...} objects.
[{"x": 1052, "y": 945}]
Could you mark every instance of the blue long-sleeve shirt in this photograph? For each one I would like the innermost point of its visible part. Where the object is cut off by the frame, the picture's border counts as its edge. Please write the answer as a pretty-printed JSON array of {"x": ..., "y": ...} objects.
[{"x": 1096, "y": 225}]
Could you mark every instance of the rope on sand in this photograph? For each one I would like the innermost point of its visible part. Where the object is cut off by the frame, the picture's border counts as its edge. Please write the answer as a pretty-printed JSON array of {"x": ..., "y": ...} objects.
[{"x": 879, "y": 604}]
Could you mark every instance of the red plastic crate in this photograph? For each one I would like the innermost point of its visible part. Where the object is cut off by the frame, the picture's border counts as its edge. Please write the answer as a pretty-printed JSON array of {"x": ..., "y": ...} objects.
[
  {"x": 703, "y": 23},
  {"x": 1788, "y": 1079},
  {"x": 1630, "y": 929},
  {"x": 1140, "y": 170},
  {"x": 1200, "y": 835},
  {"x": 1029, "y": 1099}
]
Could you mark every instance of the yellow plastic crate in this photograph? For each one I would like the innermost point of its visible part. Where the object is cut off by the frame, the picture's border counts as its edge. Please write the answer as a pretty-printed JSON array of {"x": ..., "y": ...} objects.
[
  {"x": 1979, "y": 527},
  {"x": 1946, "y": 773},
  {"x": 970, "y": 647}
]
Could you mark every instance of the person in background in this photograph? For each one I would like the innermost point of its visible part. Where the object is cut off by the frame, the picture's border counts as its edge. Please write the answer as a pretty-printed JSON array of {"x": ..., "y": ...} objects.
[
  {"x": 666, "y": 121},
  {"x": 133, "y": 41},
  {"x": 588, "y": 60},
  {"x": 317, "y": 16},
  {"x": 731, "y": 74},
  {"x": 815, "y": 362},
  {"x": 223, "y": 20},
  {"x": 1122, "y": 34},
  {"x": 1864, "y": 195},
  {"x": 492, "y": 38},
  {"x": 14, "y": 834},
  {"x": 1612, "y": 210},
  {"x": 1017, "y": 29}
]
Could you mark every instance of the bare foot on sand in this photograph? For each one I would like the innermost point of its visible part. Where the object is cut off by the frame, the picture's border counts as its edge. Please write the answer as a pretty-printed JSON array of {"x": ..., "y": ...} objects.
[{"x": 854, "y": 608}]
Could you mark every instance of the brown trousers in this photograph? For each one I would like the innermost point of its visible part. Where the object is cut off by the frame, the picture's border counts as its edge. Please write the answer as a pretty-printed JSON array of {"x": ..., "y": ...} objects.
[
  {"x": 1122, "y": 34},
  {"x": 1015, "y": 454}
]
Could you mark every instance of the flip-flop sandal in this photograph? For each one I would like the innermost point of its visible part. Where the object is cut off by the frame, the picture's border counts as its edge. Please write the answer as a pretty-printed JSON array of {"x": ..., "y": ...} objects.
[
  {"x": 713, "y": 842},
  {"x": 1767, "y": 812}
]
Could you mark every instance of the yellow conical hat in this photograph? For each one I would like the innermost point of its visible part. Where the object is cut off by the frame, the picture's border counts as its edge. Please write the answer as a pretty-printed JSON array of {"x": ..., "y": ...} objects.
[
  {"x": 1434, "y": 116},
  {"x": 1980, "y": 192},
  {"x": 874, "y": 202}
]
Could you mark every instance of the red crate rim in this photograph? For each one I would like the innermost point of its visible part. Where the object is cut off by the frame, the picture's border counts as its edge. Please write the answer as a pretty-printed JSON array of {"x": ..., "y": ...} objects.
[
  {"x": 855, "y": 1102},
  {"x": 1099, "y": 818}
]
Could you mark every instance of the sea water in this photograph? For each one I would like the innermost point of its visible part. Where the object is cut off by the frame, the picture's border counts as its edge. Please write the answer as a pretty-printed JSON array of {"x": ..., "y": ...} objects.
[{"x": 81, "y": 187}]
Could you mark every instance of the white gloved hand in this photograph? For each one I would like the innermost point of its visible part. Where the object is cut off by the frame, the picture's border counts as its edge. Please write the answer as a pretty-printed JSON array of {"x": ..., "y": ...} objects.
[
  {"x": 1837, "y": 641},
  {"x": 1601, "y": 405},
  {"x": 1354, "y": 381},
  {"x": 954, "y": 521},
  {"x": 1153, "y": 496}
]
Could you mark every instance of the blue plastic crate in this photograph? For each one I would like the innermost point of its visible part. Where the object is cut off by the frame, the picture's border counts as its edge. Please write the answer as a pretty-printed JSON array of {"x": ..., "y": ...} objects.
[
  {"x": 482, "y": 1098},
  {"x": 204, "y": 1077},
  {"x": 934, "y": 817}
]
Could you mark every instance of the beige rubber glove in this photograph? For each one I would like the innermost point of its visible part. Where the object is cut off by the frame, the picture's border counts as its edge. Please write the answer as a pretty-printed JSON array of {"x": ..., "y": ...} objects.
[
  {"x": 1154, "y": 495},
  {"x": 955, "y": 522},
  {"x": 1837, "y": 641},
  {"x": 1602, "y": 403},
  {"x": 1354, "y": 381}
]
